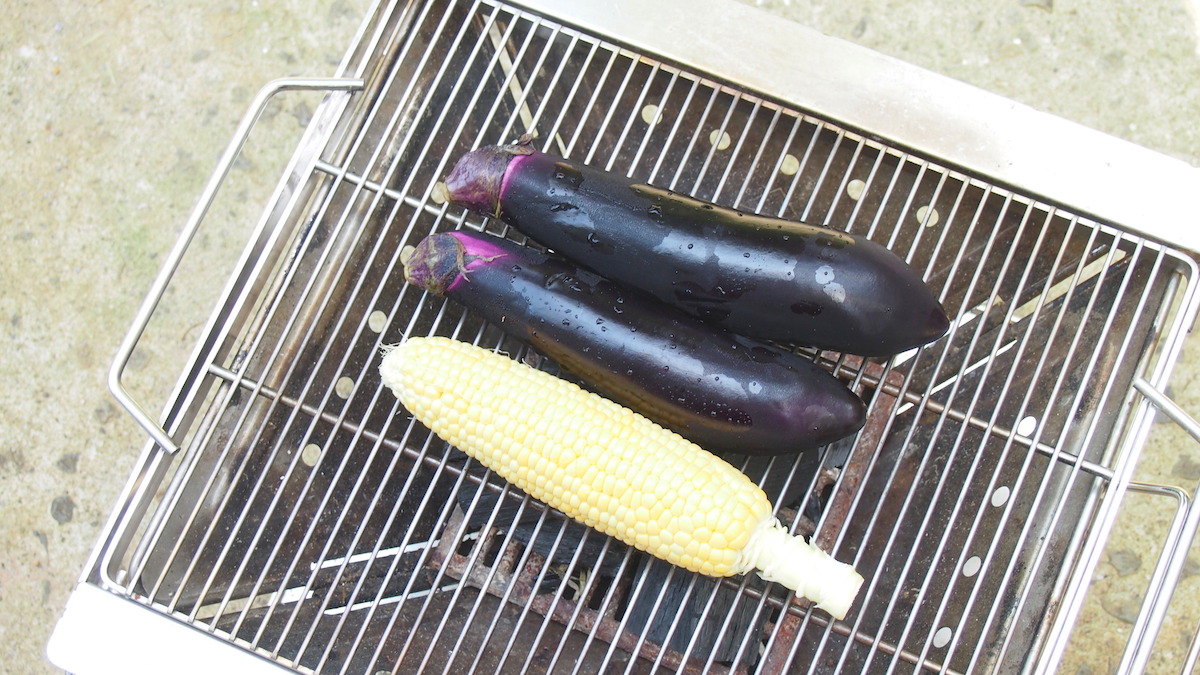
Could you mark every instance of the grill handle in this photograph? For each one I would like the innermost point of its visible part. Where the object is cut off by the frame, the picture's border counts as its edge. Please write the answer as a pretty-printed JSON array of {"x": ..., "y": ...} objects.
[
  {"x": 1177, "y": 547},
  {"x": 154, "y": 295}
]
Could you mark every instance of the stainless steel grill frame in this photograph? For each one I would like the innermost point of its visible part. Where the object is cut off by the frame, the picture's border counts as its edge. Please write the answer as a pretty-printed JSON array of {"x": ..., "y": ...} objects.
[{"x": 287, "y": 506}]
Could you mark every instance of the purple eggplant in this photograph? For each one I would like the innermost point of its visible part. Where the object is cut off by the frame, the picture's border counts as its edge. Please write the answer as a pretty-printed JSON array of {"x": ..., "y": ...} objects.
[
  {"x": 755, "y": 275},
  {"x": 724, "y": 392}
]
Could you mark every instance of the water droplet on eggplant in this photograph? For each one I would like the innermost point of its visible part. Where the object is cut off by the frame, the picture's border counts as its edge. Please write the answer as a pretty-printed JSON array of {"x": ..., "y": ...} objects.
[{"x": 567, "y": 173}]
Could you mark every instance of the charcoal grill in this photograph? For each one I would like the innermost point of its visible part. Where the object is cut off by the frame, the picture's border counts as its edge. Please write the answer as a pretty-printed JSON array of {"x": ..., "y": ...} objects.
[{"x": 286, "y": 514}]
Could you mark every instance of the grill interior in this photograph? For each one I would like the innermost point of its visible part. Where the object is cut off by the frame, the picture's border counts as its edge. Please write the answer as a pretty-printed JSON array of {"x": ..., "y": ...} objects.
[{"x": 307, "y": 519}]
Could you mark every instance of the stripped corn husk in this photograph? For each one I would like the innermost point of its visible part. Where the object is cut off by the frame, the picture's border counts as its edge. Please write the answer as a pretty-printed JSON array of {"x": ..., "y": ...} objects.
[{"x": 608, "y": 467}]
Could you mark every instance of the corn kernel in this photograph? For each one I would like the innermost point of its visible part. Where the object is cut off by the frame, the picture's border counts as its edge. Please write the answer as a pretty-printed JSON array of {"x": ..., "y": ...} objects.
[{"x": 718, "y": 541}]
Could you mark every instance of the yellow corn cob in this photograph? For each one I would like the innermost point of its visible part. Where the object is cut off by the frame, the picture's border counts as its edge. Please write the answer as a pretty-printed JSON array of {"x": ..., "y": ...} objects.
[{"x": 608, "y": 467}]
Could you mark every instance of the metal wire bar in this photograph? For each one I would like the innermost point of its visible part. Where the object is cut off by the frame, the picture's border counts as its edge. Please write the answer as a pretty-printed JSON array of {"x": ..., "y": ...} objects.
[
  {"x": 275, "y": 357},
  {"x": 627, "y": 127},
  {"x": 873, "y": 523},
  {"x": 941, "y": 484},
  {"x": 988, "y": 558},
  {"x": 1004, "y": 388},
  {"x": 973, "y": 467},
  {"x": 553, "y": 136},
  {"x": 1123, "y": 464},
  {"x": 441, "y": 117},
  {"x": 921, "y": 401},
  {"x": 638, "y": 645},
  {"x": 1075, "y": 345},
  {"x": 289, "y": 573},
  {"x": 610, "y": 110},
  {"x": 510, "y": 73},
  {"x": 1193, "y": 654}
]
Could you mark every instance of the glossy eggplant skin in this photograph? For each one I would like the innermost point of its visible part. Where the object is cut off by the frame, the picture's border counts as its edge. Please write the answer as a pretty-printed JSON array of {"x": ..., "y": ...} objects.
[
  {"x": 722, "y": 391},
  {"x": 755, "y": 275}
]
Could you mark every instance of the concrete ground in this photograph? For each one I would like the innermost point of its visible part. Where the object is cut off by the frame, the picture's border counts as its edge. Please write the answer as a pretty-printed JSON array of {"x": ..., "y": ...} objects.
[{"x": 114, "y": 114}]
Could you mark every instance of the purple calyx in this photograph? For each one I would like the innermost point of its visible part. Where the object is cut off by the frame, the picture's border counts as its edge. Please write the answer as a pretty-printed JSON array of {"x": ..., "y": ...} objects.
[
  {"x": 478, "y": 179},
  {"x": 443, "y": 261}
]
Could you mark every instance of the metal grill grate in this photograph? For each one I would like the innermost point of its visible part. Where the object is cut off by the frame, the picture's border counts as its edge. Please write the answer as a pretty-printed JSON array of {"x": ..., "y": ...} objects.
[{"x": 308, "y": 520}]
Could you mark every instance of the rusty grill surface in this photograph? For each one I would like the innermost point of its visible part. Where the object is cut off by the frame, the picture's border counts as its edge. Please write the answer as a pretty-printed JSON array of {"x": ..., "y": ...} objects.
[{"x": 305, "y": 518}]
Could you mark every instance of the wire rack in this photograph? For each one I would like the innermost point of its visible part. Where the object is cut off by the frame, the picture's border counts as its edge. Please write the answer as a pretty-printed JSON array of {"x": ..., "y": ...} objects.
[{"x": 289, "y": 506}]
